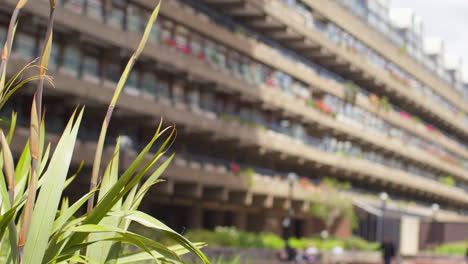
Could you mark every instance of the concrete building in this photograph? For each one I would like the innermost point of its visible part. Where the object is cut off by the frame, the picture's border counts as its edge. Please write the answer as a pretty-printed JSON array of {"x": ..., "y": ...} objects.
[{"x": 259, "y": 89}]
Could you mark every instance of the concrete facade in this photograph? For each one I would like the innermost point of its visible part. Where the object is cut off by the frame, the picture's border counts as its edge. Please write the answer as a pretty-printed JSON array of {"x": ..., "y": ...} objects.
[{"x": 205, "y": 194}]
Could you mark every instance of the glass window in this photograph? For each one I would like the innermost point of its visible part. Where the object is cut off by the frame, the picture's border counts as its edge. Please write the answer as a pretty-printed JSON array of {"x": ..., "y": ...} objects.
[
  {"x": 196, "y": 46},
  {"x": 94, "y": 9},
  {"x": 234, "y": 64},
  {"x": 134, "y": 19},
  {"x": 131, "y": 87},
  {"x": 207, "y": 100},
  {"x": 193, "y": 98},
  {"x": 113, "y": 72},
  {"x": 75, "y": 5},
  {"x": 91, "y": 66},
  {"x": 148, "y": 83},
  {"x": 155, "y": 34},
  {"x": 163, "y": 88},
  {"x": 166, "y": 33},
  {"x": 117, "y": 14},
  {"x": 25, "y": 45},
  {"x": 71, "y": 59},
  {"x": 182, "y": 41},
  {"x": 54, "y": 55}
]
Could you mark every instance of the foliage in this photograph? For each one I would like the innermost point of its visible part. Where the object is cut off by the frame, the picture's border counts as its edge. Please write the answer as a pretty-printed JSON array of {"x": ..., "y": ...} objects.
[
  {"x": 330, "y": 204},
  {"x": 351, "y": 91},
  {"x": 448, "y": 180},
  {"x": 37, "y": 224},
  {"x": 231, "y": 237},
  {"x": 385, "y": 104},
  {"x": 455, "y": 248},
  {"x": 250, "y": 173}
]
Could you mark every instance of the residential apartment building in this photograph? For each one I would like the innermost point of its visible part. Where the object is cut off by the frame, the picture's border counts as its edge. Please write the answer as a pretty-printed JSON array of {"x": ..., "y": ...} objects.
[{"x": 259, "y": 90}]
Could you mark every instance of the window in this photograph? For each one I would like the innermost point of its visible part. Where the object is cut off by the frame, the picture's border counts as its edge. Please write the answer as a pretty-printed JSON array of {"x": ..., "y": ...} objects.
[
  {"x": 148, "y": 83},
  {"x": 25, "y": 46},
  {"x": 178, "y": 93},
  {"x": 155, "y": 34},
  {"x": 94, "y": 9},
  {"x": 71, "y": 59},
  {"x": 75, "y": 5},
  {"x": 233, "y": 63},
  {"x": 112, "y": 72},
  {"x": 222, "y": 57},
  {"x": 91, "y": 68},
  {"x": 210, "y": 52},
  {"x": 196, "y": 46},
  {"x": 117, "y": 14},
  {"x": 166, "y": 33},
  {"x": 54, "y": 55},
  {"x": 134, "y": 19},
  {"x": 132, "y": 84},
  {"x": 181, "y": 40},
  {"x": 163, "y": 88},
  {"x": 207, "y": 101},
  {"x": 193, "y": 98}
]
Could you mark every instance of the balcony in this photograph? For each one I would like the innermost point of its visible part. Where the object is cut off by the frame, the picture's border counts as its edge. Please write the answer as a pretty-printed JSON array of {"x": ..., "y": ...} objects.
[
  {"x": 250, "y": 139},
  {"x": 183, "y": 66},
  {"x": 363, "y": 32},
  {"x": 312, "y": 45}
]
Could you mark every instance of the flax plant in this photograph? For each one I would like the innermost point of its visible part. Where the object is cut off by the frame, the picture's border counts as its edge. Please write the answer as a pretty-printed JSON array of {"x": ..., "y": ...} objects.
[{"x": 38, "y": 224}]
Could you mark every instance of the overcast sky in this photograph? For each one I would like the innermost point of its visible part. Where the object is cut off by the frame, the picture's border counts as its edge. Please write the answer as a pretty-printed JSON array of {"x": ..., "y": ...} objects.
[{"x": 447, "y": 19}]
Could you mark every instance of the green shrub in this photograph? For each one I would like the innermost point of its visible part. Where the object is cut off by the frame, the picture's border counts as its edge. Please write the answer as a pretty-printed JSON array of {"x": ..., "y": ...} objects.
[{"x": 456, "y": 248}]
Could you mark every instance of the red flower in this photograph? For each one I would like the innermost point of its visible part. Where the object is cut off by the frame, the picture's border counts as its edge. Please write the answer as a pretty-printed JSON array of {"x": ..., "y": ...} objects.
[{"x": 234, "y": 167}]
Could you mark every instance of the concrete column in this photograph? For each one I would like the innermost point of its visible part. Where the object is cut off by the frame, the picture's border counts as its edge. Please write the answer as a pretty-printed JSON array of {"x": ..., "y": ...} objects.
[
  {"x": 240, "y": 220},
  {"x": 219, "y": 218},
  {"x": 196, "y": 219},
  {"x": 272, "y": 222}
]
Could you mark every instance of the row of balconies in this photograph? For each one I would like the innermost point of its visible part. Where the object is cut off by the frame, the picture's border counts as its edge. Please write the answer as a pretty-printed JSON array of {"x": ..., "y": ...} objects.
[
  {"x": 376, "y": 110},
  {"x": 271, "y": 57},
  {"x": 277, "y": 22},
  {"x": 260, "y": 141},
  {"x": 268, "y": 55},
  {"x": 280, "y": 101},
  {"x": 210, "y": 181},
  {"x": 342, "y": 37},
  {"x": 352, "y": 25},
  {"x": 343, "y": 95}
]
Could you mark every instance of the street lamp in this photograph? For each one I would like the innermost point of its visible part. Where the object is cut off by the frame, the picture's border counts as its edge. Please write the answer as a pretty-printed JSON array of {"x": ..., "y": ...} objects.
[
  {"x": 383, "y": 197},
  {"x": 292, "y": 177}
]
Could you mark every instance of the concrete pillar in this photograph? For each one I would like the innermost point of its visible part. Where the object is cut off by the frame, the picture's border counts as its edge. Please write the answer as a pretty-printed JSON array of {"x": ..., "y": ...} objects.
[
  {"x": 273, "y": 222},
  {"x": 240, "y": 220},
  {"x": 196, "y": 219},
  {"x": 219, "y": 218}
]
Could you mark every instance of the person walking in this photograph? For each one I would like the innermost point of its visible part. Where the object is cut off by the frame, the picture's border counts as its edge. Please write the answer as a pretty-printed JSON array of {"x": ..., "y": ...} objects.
[{"x": 388, "y": 250}]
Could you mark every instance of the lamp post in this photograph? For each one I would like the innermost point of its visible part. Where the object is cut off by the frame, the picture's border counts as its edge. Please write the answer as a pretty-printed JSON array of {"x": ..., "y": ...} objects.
[
  {"x": 287, "y": 221},
  {"x": 383, "y": 197}
]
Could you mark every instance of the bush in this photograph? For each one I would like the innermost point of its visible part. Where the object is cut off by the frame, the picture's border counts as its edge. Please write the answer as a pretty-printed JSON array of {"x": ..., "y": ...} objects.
[
  {"x": 456, "y": 248},
  {"x": 231, "y": 237}
]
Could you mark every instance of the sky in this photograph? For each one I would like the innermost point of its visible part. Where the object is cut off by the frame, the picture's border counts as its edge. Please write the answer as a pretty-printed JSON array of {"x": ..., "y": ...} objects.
[{"x": 446, "y": 19}]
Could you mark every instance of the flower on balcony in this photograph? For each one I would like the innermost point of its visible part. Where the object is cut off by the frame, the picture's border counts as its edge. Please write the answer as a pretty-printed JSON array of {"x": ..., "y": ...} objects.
[
  {"x": 170, "y": 42},
  {"x": 185, "y": 49},
  {"x": 201, "y": 56},
  {"x": 234, "y": 167},
  {"x": 405, "y": 115}
]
